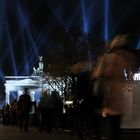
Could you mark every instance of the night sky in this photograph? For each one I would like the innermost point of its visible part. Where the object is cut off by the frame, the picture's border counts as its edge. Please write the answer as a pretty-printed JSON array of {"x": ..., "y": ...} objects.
[{"x": 28, "y": 27}]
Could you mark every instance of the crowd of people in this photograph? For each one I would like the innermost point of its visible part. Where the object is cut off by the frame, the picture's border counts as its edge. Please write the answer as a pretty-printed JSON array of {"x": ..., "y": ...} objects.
[
  {"x": 49, "y": 114},
  {"x": 24, "y": 113}
]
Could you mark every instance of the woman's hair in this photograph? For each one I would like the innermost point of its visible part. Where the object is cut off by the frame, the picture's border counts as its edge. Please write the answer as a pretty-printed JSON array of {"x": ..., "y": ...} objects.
[{"x": 123, "y": 41}]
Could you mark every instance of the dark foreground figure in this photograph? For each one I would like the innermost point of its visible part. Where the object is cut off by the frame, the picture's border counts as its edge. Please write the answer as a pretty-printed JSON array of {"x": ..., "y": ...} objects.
[{"x": 23, "y": 109}]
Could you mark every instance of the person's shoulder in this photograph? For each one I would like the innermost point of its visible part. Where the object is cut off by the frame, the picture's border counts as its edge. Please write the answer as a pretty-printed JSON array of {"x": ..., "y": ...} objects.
[{"x": 21, "y": 96}]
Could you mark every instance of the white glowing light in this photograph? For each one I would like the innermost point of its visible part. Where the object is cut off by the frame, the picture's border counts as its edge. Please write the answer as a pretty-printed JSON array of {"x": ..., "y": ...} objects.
[
  {"x": 69, "y": 102},
  {"x": 136, "y": 77}
]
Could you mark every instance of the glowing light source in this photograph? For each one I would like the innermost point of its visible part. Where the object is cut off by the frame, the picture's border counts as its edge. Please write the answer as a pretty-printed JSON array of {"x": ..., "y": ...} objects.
[{"x": 136, "y": 77}]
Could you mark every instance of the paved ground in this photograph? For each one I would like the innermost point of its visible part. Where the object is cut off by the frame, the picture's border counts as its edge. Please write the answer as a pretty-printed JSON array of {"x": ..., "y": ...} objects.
[
  {"x": 12, "y": 133},
  {"x": 130, "y": 134}
]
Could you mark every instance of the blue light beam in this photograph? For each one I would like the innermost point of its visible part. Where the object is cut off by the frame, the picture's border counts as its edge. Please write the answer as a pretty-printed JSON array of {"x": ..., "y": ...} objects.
[
  {"x": 11, "y": 51},
  {"x": 84, "y": 17},
  {"x": 2, "y": 76},
  {"x": 106, "y": 20},
  {"x": 23, "y": 24},
  {"x": 24, "y": 21},
  {"x": 2, "y": 14}
]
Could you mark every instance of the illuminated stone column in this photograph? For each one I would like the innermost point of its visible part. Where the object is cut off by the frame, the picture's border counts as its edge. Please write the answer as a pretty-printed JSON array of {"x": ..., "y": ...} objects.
[
  {"x": 7, "y": 100},
  {"x": 32, "y": 93}
]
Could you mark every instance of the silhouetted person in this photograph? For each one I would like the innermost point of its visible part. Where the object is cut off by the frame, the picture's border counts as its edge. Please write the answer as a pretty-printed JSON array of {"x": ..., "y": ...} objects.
[
  {"x": 13, "y": 112},
  {"x": 58, "y": 110},
  {"x": 85, "y": 106},
  {"x": 23, "y": 109},
  {"x": 6, "y": 115},
  {"x": 46, "y": 108},
  {"x": 42, "y": 107}
]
